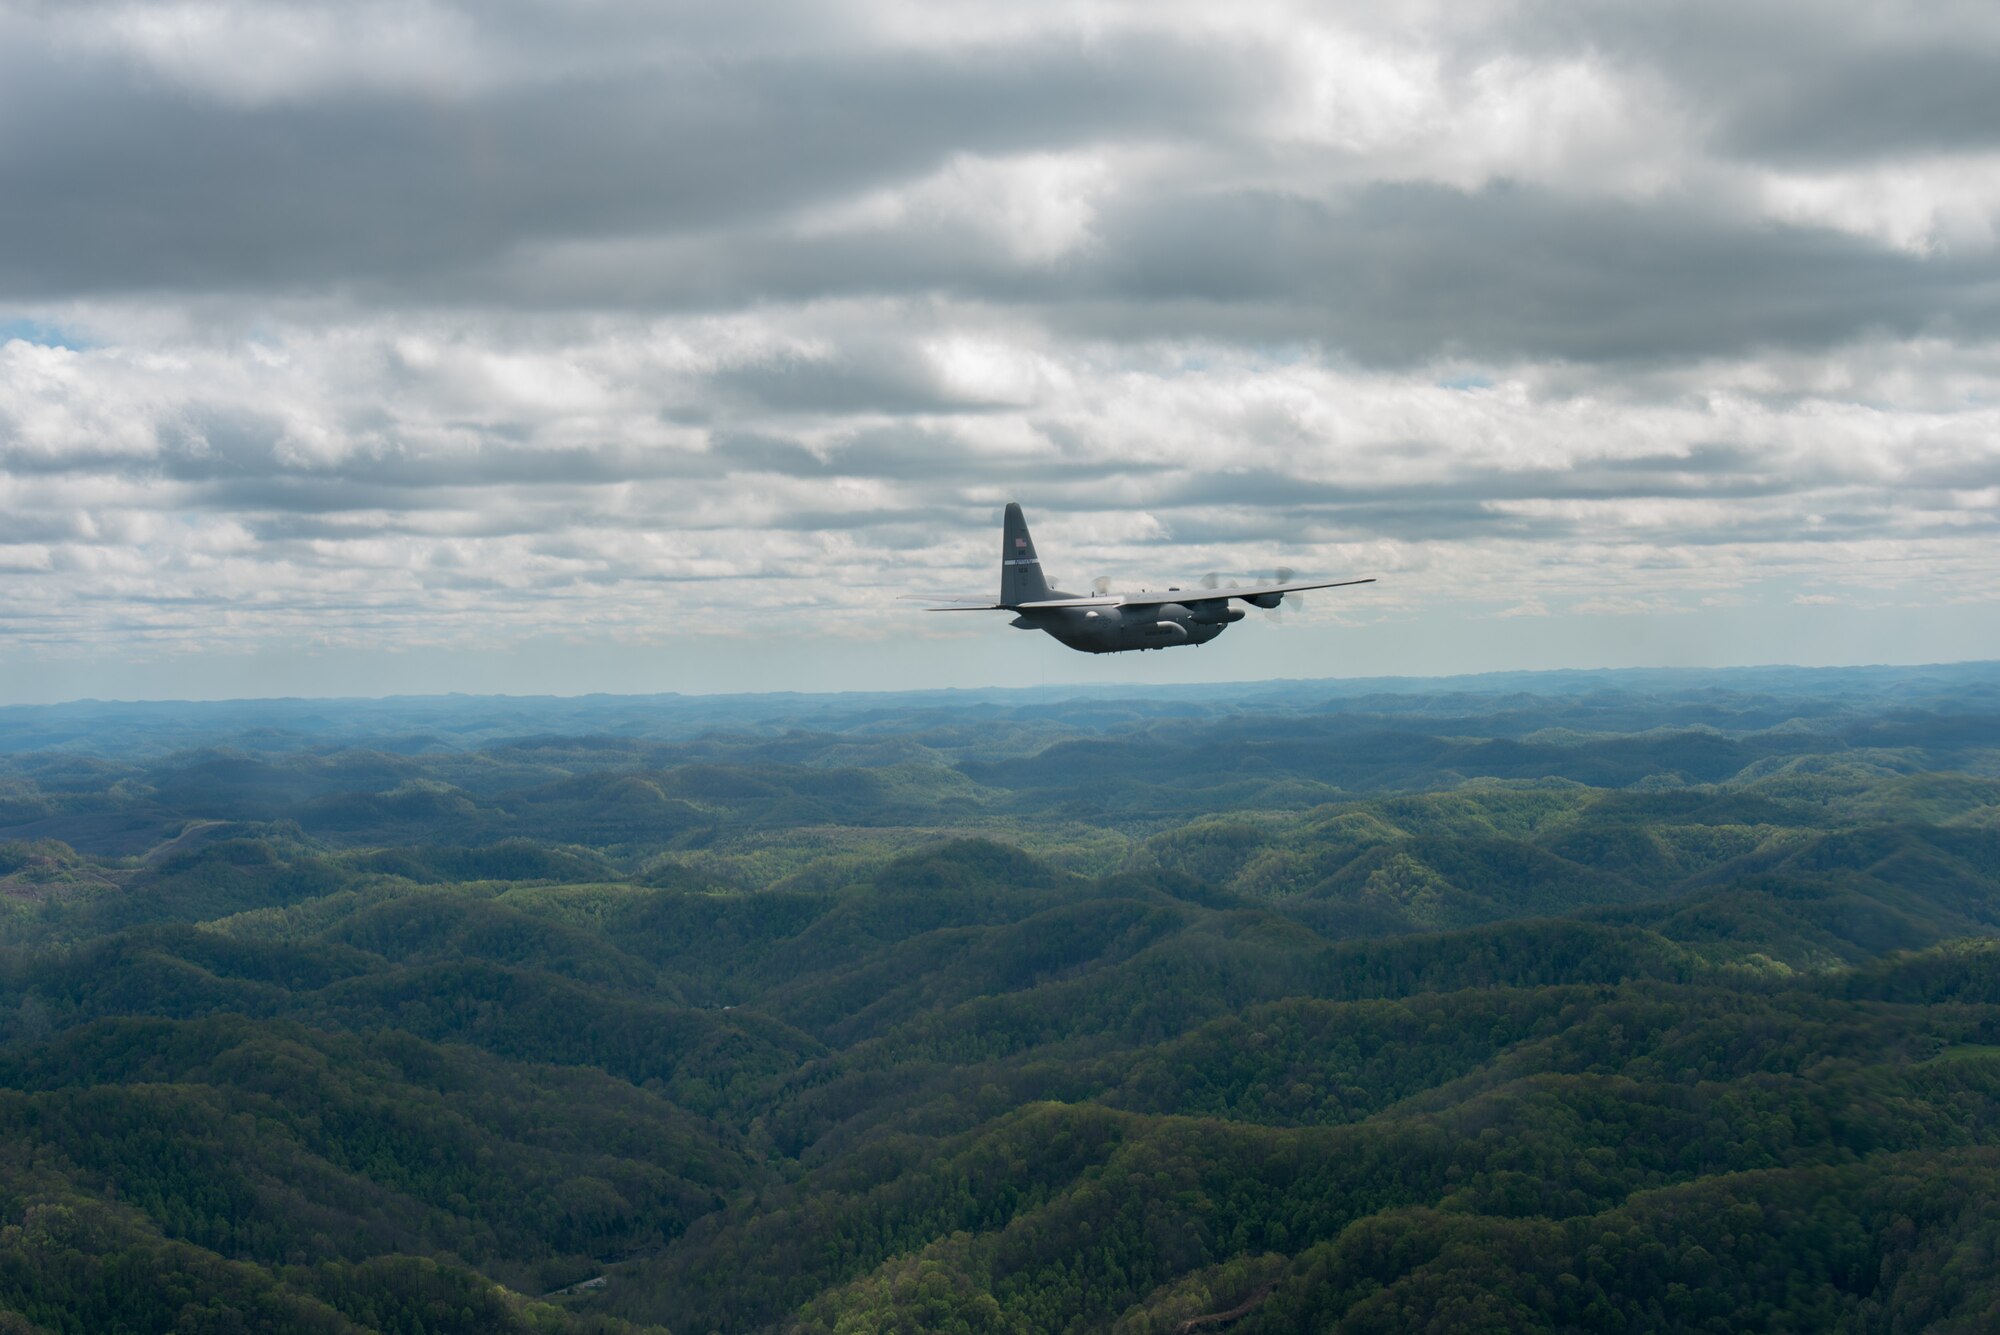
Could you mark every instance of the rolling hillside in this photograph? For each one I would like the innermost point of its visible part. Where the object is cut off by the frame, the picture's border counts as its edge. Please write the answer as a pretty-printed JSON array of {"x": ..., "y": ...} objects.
[{"x": 1332, "y": 1011}]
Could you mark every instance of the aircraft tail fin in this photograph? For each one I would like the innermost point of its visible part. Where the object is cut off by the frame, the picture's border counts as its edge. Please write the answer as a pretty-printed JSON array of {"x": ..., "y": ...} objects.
[{"x": 1021, "y": 579}]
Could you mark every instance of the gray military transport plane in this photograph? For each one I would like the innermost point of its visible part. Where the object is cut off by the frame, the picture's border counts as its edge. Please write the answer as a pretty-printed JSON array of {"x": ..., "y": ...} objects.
[{"x": 1108, "y": 623}]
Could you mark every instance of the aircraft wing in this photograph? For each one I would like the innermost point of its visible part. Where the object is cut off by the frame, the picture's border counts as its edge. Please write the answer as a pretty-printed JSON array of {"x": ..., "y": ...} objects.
[
  {"x": 957, "y": 604},
  {"x": 1140, "y": 599},
  {"x": 1154, "y": 599},
  {"x": 1102, "y": 600}
]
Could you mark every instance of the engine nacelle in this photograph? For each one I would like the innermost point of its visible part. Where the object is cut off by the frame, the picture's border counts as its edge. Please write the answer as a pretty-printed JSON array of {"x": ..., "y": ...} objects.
[
  {"x": 1214, "y": 613},
  {"x": 1267, "y": 601}
]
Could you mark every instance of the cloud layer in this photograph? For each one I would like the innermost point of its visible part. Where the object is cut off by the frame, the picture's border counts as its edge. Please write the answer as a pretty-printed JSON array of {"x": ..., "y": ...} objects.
[{"x": 394, "y": 325}]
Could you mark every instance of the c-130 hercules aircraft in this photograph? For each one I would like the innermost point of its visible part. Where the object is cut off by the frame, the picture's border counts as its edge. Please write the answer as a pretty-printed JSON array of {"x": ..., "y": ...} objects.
[{"x": 1109, "y": 623}]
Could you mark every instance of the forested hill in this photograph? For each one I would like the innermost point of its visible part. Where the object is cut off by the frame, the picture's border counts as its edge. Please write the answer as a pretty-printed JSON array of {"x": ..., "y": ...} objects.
[{"x": 1633, "y": 1001}]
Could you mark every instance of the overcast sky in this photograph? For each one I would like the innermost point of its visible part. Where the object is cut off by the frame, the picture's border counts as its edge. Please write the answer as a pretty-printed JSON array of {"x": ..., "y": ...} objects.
[{"x": 372, "y": 346}]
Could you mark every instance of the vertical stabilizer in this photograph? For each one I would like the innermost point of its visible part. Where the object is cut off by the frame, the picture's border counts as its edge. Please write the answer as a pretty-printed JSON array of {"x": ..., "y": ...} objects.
[{"x": 1020, "y": 572}]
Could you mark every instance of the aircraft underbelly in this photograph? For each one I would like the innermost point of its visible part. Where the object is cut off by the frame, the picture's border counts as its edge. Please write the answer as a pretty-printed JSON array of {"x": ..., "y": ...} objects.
[{"x": 1112, "y": 631}]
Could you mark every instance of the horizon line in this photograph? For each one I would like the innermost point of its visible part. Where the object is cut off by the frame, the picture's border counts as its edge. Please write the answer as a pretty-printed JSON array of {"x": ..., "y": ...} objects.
[{"x": 1090, "y": 687}]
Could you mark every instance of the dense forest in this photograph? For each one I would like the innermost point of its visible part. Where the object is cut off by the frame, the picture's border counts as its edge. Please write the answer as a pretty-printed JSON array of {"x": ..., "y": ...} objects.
[{"x": 1581, "y": 1001}]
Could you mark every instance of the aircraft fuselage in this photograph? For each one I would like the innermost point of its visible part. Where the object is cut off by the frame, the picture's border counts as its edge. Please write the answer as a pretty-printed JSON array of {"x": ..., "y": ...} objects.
[{"x": 1109, "y": 630}]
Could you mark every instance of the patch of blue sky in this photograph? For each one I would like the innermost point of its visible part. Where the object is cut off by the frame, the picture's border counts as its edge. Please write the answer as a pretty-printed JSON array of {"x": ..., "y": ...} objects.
[
  {"x": 41, "y": 332},
  {"x": 1466, "y": 382}
]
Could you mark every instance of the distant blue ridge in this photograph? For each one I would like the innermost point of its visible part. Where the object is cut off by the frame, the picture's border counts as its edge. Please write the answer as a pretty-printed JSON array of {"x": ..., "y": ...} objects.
[{"x": 1615, "y": 699}]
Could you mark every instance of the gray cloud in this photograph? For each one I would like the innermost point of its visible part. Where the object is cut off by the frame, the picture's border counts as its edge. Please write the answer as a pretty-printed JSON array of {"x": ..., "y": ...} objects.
[
  {"x": 685, "y": 161},
  {"x": 1804, "y": 82},
  {"x": 837, "y": 385},
  {"x": 1403, "y": 273},
  {"x": 136, "y": 186},
  {"x": 1874, "y": 105},
  {"x": 552, "y": 321},
  {"x": 1389, "y": 273}
]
